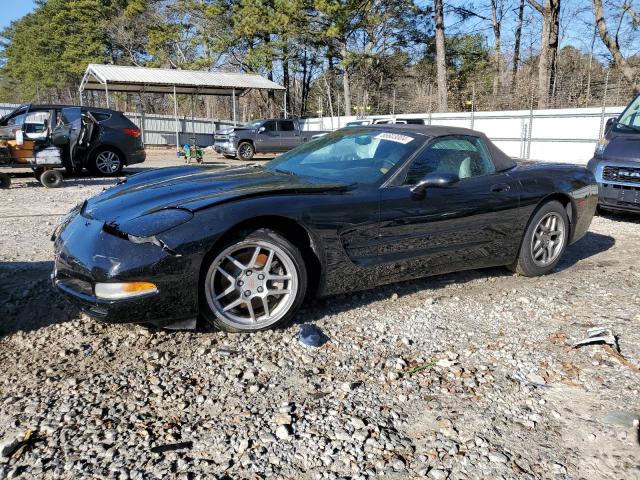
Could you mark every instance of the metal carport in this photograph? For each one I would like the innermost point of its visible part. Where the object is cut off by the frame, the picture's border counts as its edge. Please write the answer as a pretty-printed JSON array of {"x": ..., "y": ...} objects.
[{"x": 117, "y": 78}]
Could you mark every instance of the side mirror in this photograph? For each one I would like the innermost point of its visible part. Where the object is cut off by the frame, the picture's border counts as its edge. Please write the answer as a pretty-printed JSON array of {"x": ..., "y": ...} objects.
[
  {"x": 435, "y": 180},
  {"x": 610, "y": 123},
  {"x": 262, "y": 129}
]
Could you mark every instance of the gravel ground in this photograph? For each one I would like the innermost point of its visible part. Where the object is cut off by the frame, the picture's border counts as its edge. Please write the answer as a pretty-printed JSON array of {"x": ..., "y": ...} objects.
[{"x": 468, "y": 375}]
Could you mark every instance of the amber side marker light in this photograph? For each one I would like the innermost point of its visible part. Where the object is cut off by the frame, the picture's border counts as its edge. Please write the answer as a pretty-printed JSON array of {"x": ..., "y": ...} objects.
[{"x": 117, "y": 291}]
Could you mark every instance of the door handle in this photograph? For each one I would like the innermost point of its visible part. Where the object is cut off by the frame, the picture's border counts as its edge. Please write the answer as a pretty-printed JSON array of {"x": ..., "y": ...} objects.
[{"x": 500, "y": 187}]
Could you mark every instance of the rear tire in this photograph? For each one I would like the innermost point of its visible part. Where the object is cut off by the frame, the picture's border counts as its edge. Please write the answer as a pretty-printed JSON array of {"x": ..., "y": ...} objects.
[
  {"x": 544, "y": 241},
  {"x": 106, "y": 162},
  {"x": 246, "y": 151},
  {"x": 52, "y": 178},
  {"x": 253, "y": 282},
  {"x": 5, "y": 180}
]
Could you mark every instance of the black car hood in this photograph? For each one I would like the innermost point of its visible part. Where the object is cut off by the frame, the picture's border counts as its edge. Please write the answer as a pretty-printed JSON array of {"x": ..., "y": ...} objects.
[{"x": 193, "y": 188}]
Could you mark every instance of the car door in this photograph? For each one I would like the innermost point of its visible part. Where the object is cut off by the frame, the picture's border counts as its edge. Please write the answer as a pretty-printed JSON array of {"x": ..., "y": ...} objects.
[
  {"x": 289, "y": 135},
  {"x": 468, "y": 225},
  {"x": 68, "y": 131},
  {"x": 268, "y": 137}
]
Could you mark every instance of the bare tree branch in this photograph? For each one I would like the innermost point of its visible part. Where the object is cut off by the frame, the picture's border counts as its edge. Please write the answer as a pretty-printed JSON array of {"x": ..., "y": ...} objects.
[{"x": 613, "y": 46}]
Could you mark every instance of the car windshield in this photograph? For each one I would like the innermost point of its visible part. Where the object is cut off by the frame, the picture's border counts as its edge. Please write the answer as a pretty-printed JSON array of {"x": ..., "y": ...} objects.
[
  {"x": 630, "y": 118},
  {"x": 355, "y": 155}
]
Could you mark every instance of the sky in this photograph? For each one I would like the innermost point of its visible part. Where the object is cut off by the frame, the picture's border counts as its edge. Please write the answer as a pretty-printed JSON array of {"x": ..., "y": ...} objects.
[{"x": 13, "y": 10}]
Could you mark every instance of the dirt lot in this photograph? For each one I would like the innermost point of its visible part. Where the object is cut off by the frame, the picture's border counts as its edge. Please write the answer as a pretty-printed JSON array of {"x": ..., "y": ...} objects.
[{"x": 469, "y": 375}]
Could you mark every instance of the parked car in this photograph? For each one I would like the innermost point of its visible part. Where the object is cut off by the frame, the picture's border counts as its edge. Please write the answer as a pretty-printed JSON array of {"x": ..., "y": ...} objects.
[
  {"x": 358, "y": 123},
  {"x": 243, "y": 246},
  {"x": 399, "y": 121},
  {"x": 261, "y": 136},
  {"x": 378, "y": 121},
  {"x": 616, "y": 161},
  {"x": 98, "y": 139}
]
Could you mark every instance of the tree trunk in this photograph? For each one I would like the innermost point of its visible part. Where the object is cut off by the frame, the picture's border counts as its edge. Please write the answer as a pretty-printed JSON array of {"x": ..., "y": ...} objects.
[
  {"x": 516, "y": 48},
  {"x": 285, "y": 74},
  {"x": 496, "y": 22},
  {"x": 554, "y": 37},
  {"x": 345, "y": 81},
  {"x": 613, "y": 46},
  {"x": 441, "y": 61},
  {"x": 271, "y": 97},
  {"x": 548, "y": 47},
  {"x": 304, "y": 87}
]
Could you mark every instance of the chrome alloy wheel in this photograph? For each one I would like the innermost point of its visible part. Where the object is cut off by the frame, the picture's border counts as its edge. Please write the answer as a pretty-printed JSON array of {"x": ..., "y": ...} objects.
[
  {"x": 107, "y": 162},
  {"x": 251, "y": 285},
  {"x": 548, "y": 239},
  {"x": 245, "y": 151}
]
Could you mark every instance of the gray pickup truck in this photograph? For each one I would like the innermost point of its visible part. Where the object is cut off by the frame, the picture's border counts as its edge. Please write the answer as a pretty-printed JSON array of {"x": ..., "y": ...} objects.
[{"x": 261, "y": 136}]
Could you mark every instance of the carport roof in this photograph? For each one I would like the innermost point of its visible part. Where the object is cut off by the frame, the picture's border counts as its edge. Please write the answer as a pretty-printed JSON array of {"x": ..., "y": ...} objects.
[{"x": 163, "y": 80}]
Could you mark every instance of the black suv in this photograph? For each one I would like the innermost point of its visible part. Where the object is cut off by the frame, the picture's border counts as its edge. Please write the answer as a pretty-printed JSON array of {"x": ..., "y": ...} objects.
[{"x": 101, "y": 140}]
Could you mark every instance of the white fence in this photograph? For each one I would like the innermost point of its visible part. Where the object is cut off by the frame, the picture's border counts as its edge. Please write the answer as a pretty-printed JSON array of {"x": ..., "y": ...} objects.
[{"x": 563, "y": 135}]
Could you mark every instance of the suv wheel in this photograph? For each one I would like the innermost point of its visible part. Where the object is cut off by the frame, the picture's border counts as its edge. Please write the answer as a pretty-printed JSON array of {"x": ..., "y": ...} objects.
[
  {"x": 246, "y": 151},
  {"x": 107, "y": 162}
]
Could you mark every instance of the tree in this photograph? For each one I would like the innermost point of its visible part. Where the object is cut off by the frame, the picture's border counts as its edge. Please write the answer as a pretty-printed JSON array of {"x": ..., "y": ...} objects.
[
  {"x": 441, "y": 60},
  {"x": 613, "y": 44},
  {"x": 48, "y": 50},
  {"x": 550, "y": 11},
  {"x": 496, "y": 18},
  {"x": 516, "y": 46}
]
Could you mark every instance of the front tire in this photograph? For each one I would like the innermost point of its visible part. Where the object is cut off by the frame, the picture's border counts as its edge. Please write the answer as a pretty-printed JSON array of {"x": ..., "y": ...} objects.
[
  {"x": 544, "y": 242},
  {"x": 106, "y": 163},
  {"x": 256, "y": 281},
  {"x": 246, "y": 151}
]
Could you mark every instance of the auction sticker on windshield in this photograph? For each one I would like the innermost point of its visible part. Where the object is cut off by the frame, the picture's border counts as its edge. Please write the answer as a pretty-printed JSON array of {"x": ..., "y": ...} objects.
[{"x": 394, "y": 137}]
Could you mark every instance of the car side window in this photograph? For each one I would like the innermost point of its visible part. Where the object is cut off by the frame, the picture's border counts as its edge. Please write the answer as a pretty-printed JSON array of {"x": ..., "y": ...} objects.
[
  {"x": 101, "y": 117},
  {"x": 17, "y": 119},
  {"x": 462, "y": 155},
  {"x": 286, "y": 125},
  {"x": 269, "y": 126},
  {"x": 71, "y": 115}
]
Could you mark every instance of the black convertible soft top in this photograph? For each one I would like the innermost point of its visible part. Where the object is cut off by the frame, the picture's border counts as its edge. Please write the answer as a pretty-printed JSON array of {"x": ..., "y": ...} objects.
[{"x": 500, "y": 159}]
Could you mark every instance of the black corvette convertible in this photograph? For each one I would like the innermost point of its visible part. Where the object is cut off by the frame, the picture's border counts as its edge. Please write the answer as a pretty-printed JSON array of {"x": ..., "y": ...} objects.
[{"x": 243, "y": 246}]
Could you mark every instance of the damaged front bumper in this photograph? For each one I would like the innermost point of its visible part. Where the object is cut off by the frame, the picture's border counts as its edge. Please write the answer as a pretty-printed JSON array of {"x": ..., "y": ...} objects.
[
  {"x": 226, "y": 147},
  {"x": 87, "y": 253}
]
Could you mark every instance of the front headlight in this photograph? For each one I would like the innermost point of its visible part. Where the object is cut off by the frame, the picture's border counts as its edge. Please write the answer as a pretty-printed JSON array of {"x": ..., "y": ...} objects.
[
  {"x": 601, "y": 147},
  {"x": 118, "y": 291},
  {"x": 155, "y": 223}
]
